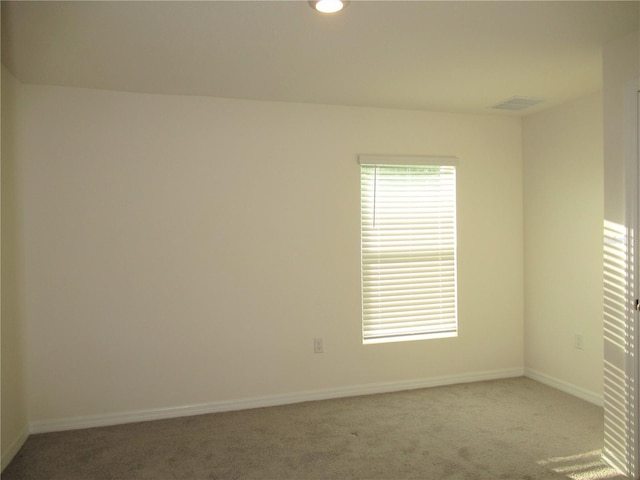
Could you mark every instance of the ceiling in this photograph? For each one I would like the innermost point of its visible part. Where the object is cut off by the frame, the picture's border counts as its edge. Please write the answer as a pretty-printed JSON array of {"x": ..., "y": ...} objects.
[{"x": 450, "y": 56}]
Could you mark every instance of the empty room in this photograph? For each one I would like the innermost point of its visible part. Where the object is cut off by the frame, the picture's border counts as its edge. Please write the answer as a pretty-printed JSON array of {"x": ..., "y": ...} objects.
[{"x": 252, "y": 239}]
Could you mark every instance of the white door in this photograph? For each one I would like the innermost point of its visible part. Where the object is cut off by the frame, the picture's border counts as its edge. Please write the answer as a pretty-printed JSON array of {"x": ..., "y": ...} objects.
[{"x": 621, "y": 315}]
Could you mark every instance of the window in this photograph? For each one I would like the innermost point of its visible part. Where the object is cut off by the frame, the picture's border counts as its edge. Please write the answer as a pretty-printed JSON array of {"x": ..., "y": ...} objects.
[{"x": 408, "y": 248}]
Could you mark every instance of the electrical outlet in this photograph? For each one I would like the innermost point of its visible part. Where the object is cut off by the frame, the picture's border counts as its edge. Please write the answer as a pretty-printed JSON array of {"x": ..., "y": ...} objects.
[
  {"x": 578, "y": 341},
  {"x": 318, "y": 345}
]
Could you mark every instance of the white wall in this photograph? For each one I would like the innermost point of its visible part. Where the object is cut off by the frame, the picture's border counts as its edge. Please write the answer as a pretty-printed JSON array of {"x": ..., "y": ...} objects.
[
  {"x": 185, "y": 250},
  {"x": 14, "y": 403},
  {"x": 563, "y": 214}
]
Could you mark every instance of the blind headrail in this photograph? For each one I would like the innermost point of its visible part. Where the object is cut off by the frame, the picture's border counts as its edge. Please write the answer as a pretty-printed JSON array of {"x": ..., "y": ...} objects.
[{"x": 382, "y": 160}]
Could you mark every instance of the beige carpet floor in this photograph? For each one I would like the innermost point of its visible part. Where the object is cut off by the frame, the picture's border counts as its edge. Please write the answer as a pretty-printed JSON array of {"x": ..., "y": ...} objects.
[{"x": 512, "y": 429}]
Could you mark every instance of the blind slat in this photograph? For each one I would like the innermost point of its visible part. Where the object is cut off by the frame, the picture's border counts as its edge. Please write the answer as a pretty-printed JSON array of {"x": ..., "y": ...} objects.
[{"x": 408, "y": 240}]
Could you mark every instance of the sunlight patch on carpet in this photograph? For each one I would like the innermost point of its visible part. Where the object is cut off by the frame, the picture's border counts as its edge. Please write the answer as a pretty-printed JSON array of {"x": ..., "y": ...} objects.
[{"x": 582, "y": 466}]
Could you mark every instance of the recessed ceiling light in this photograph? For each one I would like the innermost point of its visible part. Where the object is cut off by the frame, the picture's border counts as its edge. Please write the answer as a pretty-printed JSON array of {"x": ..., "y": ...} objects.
[{"x": 328, "y": 6}]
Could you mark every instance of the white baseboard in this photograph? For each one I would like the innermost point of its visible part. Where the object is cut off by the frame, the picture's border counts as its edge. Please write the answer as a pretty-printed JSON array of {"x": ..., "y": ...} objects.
[
  {"x": 13, "y": 448},
  {"x": 90, "y": 421},
  {"x": 566, "y": 387}
]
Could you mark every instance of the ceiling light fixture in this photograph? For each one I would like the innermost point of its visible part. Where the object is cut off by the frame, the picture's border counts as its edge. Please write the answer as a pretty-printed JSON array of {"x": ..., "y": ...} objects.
[{"x": 328, "y": 6}]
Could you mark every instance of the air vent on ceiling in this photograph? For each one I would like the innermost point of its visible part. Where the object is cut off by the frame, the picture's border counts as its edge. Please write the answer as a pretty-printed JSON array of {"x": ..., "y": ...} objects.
[{"x": 517, "y": 103}]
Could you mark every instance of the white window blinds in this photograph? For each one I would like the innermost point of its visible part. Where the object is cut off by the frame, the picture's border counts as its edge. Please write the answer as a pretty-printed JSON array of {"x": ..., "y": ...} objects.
[{"x": 408, "y": 246}]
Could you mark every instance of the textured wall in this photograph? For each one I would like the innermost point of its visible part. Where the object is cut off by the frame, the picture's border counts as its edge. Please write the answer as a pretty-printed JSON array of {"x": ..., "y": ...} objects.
[
  {"x": 14, "y": 401},
  {"x": 563, "y": 215},
  {"x": 185, "y": 250}
]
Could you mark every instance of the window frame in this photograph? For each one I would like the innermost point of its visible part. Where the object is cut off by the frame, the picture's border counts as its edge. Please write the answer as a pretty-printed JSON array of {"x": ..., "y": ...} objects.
[{"x": 373, "y": 324}]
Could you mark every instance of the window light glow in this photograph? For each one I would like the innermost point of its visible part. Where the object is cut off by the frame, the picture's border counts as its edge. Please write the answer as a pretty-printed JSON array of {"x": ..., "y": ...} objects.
[
  {"x": 408, "y": 251},
  {"x": 620, "y": 333}
]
